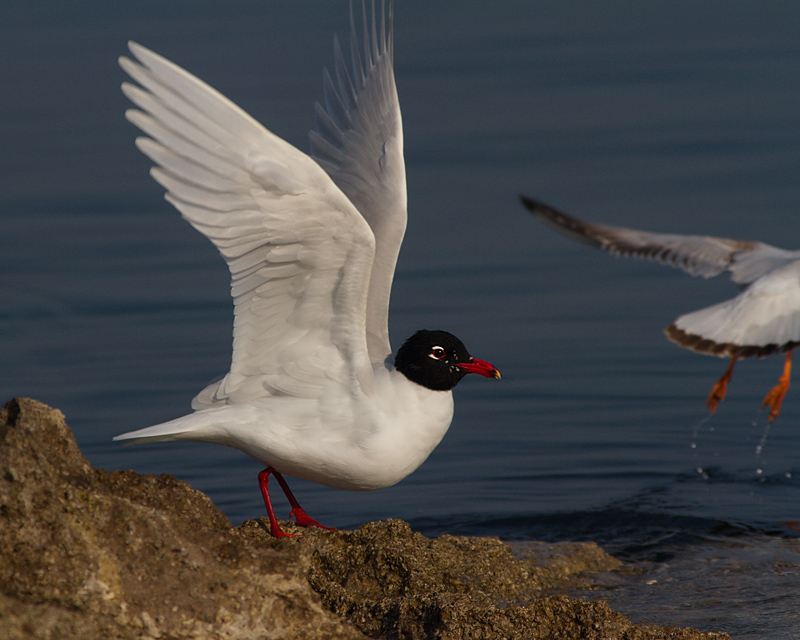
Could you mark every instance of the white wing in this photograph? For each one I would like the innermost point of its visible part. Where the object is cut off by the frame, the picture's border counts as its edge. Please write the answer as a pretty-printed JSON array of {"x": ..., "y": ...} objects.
[
  {"x": 763, "y": 319},
  {"x": 359, "y": 142},
  {"x": 299, "y": 252},
  {"x": 697, "y": 255}
]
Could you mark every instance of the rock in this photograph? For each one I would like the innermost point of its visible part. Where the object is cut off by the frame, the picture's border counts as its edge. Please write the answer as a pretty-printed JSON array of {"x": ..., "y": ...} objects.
[
  {"x": 86, "y": 553},
  {"x": 391, "y": 582},
  {"x": 92, "y": 554}
]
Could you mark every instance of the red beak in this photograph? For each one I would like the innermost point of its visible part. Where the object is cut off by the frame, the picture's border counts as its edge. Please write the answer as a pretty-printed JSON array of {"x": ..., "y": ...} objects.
[{"x": 480, "y": 367}]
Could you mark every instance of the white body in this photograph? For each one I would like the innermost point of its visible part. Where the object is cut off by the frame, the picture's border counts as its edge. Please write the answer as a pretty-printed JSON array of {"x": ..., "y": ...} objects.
[{"x": 316, "y": 440}]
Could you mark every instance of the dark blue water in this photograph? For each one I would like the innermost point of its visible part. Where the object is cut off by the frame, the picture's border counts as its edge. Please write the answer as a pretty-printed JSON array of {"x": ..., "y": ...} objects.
[{"x": 681, "y": 116}]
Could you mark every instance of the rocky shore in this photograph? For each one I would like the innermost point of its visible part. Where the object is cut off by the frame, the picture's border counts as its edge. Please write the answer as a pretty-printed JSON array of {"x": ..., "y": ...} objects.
[{"x": 87, "y": 553}]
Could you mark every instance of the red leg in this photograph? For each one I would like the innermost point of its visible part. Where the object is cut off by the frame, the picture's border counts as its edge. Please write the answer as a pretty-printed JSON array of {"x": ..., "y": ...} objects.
[
  {"x": 775, "y": 397},
  {"x": 274, "y": 527},
  {"x": 302, "y": 518},
  {"x": 718, "y": 390}
]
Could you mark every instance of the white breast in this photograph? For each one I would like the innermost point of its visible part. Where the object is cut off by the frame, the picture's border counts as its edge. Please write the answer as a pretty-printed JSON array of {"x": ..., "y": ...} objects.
[{"x": 351, "y": 442}]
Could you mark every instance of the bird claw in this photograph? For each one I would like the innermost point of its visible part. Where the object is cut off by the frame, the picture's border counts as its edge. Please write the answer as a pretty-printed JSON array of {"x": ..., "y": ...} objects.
[
  {"x": 775, "y": 399},
  {"x": 776, "y": 395},
  {"x": 304, "y": 520},
  {"x": 717, "y": 394},
  {"x": 277, "y": 532},
  {"x": 719, "y": 389}
]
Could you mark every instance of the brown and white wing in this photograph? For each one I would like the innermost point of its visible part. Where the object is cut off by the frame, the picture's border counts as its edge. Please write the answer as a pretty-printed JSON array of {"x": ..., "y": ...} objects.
[{"x": 705, "y": 256}]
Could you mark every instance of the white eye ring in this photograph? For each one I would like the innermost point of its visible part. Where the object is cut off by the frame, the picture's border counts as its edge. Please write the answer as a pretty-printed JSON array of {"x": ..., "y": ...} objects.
[{"x": 437, "y": 353}]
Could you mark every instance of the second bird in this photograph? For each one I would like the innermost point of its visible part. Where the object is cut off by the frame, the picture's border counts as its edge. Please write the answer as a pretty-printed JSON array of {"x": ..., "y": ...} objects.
[{"x": 763, "y": 319}]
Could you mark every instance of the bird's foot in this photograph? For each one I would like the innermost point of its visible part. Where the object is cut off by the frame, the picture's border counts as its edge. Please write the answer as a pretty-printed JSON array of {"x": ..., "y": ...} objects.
[
  {"x": 717, "y": 394},
  {"x": 719, "y": 389},
  {"x": 775, "y": 398},
  {"x": 776, "y": 395},
  {"x": 277, "y": 532},
  {"x": 304, "y": 520}
]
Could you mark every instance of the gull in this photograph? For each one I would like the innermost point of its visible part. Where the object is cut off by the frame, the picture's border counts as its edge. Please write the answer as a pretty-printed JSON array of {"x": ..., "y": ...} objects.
[
  {"x": 311, "y": 242},
  {"x": 763, "y": 319}
]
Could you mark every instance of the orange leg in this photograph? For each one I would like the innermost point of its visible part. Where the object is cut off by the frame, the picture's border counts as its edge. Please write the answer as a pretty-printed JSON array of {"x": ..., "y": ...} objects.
[
  {"x": 718, "y": 390},
  {"x": 775, "y": 396}
]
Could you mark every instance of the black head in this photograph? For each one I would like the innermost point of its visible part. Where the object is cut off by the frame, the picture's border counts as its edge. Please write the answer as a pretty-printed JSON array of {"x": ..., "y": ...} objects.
[{"x": 438, "y": 360}]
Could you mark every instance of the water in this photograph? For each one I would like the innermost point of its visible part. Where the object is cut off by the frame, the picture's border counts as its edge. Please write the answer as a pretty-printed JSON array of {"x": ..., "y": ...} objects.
[{"x": 675, "y": 117}]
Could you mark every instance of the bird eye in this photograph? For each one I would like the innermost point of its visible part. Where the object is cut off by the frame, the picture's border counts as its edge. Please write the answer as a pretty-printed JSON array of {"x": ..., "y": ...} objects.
[{"x": 437, "y": 353}]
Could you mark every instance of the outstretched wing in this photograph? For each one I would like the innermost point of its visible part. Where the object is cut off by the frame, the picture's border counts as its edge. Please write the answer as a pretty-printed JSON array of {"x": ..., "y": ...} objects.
[
  {"x": 359, "y": 142},
  {"x": 697, "y": 255},
  {"x": 299, "y": 252}
]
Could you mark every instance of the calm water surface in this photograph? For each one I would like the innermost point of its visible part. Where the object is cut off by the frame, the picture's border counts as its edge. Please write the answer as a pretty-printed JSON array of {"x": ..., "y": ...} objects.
[{"x": 680, "y": 117}]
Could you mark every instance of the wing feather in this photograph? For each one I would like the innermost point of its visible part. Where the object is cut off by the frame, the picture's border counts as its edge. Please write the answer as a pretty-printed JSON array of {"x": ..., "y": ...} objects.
[
  {"x": 704, "y": 256},
  {"x": 358, "y": 140},
  {"x": 299, "y": 252}
]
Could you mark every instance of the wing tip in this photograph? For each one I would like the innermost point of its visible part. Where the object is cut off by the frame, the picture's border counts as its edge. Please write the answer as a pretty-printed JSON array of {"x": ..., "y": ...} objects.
[
  {"x": 137, "y": 49},
  {"x": 571, "y": 226},
  {"x": 539, "y": 208}
]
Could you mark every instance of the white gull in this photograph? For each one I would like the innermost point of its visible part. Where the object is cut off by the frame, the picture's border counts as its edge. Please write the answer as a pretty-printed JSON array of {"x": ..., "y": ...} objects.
[{"x": 311, "y": 244}]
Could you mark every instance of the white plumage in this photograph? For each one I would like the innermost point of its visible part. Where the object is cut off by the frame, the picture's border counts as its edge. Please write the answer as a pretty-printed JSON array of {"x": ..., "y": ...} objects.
[{"x": 311, "y": 245}]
